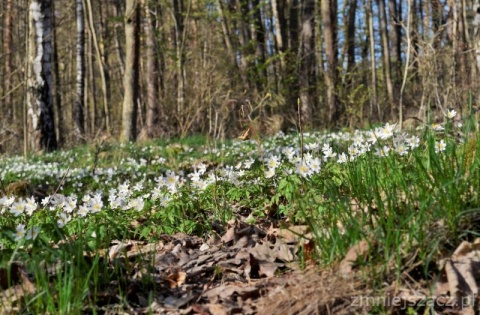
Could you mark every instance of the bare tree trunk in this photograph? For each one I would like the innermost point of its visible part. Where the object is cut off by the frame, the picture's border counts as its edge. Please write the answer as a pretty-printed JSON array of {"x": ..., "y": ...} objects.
[
  {"x": 463, "y": 75},
  {"x": 373, "y": 63},
  {"x": 350, "y": 37},
  {"x": 57, "y": 95},
  {"x": 79, "y": 105},
  {"x": 101, "y": 66},
  {"x": 293, "y": 25},
  {"x": 290, "y": 75},
  {"x": 103, "y": 40},
  {"x": 180, "y": 54},
  {"x": 476, "y": 41},
  {"x": 280, "y": 26},
  {"x": 7, "y": 71},
  {"x": 272, "y": 69},
  {"x": 246, "y": 51},
  {"x": 307, "y": 63},
  {"x": 226, "y": 32},
  {"x": 39, "y": 99},
  {"x": 437, "y": 21},
  {"x": 116, "y": 36},
  {"x": 396, "y": 38},
  {"x": 132, "y": 67},
  {"x": 91, "y": 86},
  {"x": 386, "y": 54},
  {"x": 413, "y": 34},
  {"x": 258, "y": 37},
  {"x": 328, "y": 9},
  {"x": 153, "y": 109}
]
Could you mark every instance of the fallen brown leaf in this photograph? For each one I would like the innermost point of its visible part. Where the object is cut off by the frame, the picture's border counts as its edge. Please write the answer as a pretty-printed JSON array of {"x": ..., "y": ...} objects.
[
  {"x": 176, "y": 278},
  {"x": 356, "y": 252}
]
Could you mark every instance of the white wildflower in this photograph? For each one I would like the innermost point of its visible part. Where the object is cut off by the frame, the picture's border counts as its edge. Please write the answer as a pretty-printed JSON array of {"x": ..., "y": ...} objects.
[{"x": 20, "y": 232}]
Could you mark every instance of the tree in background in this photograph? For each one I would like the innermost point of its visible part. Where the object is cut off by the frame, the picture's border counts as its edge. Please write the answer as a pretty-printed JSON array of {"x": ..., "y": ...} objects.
[
  {"x": 308, "y": 80},
  {"x": 349, "y": 62},
  {"x": 7, "y": 46},
  {"x": 132, "y": 63},
  {"x": 329, "y": 13},
  {"x": 79, "y": 105},
  {"x": 151, "y": 127},
  {"x": 41, "y": 126}
]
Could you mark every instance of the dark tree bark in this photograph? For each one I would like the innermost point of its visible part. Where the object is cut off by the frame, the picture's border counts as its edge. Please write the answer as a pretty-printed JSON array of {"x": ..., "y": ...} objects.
[
  {"x": 394, "y": 7},
  {"x": 293, "y": 25},
  {"x": 258, "y": 37},
  {"x": 56, "y": 85},
  {"x": 350, "y": 36},
  {"x": 246, "y": 48}
]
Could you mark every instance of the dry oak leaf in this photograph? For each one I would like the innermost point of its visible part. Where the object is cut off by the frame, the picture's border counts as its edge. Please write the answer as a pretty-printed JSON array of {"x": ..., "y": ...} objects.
[
  {"x": 359, "y": 250},
  {"x": 457, "y": 288},
  {"x": 176, "y": 278}
]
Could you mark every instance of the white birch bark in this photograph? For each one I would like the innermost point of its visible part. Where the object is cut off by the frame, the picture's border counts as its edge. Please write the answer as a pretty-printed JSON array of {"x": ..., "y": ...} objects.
[
  {"x": 79, "y": 105},
  {"x": 39, "y": 96}
]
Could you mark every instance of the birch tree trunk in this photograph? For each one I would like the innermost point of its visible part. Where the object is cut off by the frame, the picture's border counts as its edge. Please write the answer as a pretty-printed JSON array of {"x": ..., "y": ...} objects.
[
  {"x": 41, "y": 125},
  {"x": 132, "y": 67},
  {"x": 79, "y": 105}
]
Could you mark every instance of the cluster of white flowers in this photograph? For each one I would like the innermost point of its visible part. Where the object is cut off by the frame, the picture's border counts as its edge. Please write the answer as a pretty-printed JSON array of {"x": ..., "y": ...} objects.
[
  {"x": 196, "y": 177},
  {"x": 131, "y": 195},
  {"x": 21, "y": 232}
]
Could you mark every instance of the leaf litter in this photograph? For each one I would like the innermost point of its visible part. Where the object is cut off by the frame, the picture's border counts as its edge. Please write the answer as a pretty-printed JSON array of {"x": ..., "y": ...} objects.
[{"x": 251, "y": 270}]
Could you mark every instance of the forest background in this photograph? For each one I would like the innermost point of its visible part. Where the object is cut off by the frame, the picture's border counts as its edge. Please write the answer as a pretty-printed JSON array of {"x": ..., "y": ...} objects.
[{"x": 78, "y": 71}]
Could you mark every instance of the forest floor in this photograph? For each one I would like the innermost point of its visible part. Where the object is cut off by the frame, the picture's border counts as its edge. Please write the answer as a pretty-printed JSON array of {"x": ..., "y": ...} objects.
[{"x": 256, "y": 269}]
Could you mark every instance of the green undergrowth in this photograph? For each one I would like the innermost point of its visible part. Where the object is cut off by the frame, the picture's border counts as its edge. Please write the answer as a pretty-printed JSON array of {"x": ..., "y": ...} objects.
[{"x": 410, "y": 208}]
